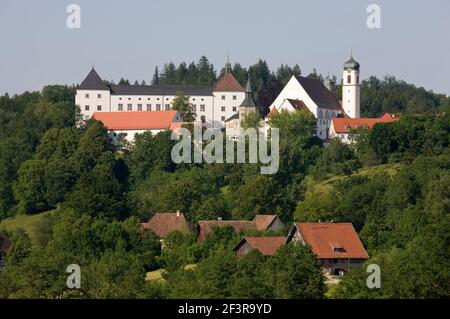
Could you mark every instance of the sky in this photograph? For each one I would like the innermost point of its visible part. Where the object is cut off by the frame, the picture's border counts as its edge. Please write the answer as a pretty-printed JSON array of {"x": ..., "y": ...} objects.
[{"x": 129, "y": 38}]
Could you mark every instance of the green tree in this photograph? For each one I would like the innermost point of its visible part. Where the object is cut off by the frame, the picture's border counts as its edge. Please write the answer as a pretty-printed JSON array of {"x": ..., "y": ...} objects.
[{"x": 181, "y": 104}]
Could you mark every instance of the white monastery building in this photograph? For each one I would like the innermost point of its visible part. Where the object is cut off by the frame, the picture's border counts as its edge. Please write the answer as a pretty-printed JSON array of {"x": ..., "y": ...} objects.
[{"x": 212, "y": 105}]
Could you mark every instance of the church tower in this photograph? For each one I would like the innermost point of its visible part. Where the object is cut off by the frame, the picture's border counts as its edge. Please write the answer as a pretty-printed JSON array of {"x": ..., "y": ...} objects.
[
  {"x": 248, "y": 105},
  {"x": 351, "y": 88}
]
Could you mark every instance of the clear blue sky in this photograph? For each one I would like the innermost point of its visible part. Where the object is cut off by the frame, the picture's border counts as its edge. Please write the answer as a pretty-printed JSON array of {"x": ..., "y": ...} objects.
[{"x": 129, "y": 38}]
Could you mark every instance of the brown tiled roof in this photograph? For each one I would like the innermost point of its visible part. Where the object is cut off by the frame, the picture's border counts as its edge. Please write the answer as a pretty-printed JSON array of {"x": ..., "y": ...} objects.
[
  {"x": 228, "y": 83},
  {"x": 326, "y": 238},
  {"x": 299, "y": 105},
  {"x": 273, "y": 112},
  {"x": 346, "y": 124},
  {"x": 205, "y": 227},
  {"x": 5, "y": 244},
  {"x": 164, "y": 223},
  {"x": 267, "y": 245},
  {"x": 264, "y": 221}
]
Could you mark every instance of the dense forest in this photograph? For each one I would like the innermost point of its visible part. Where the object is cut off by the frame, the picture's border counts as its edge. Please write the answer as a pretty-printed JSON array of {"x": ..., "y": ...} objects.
[{"x": 393, "y": 184}]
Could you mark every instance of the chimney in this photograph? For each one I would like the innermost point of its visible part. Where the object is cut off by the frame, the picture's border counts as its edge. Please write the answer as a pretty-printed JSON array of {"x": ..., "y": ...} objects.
[{"x": 178, "y": 213}]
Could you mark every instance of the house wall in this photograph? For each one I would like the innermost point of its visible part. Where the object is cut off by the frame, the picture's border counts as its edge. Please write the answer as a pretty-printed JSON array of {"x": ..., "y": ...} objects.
[
  {"x": 244, "y": 249},
  {"x": 276, "y": 224},
  {"x": 230, "y": 103},
  {"x": 91, "y": 99},
  {"x": 345, "y": 264}
]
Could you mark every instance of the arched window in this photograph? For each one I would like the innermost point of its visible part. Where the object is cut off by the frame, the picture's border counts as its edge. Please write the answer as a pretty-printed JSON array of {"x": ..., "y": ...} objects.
[
  {"x": 357, "y": 79},
  {"x": 349, "y": 78},
  {"x": 203, "y": 119},
  {"x": 327, "y": 115}
]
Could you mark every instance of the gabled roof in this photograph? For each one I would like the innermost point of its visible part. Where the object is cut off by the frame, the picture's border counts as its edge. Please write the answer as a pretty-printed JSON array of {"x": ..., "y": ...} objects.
[
  {"x": 319, "y": 93},
  {"x": 263, "y": 222},
  {"x": 164, "y": 223},
  {"x": 260, "y": 222},
  {"x": 120, "y": 89},
  {"x": 266, "y": 245},
  {"x": 332, "y": 240},
  {"x": 228, "y": 83},
  {"x": 299, "y": 105},
  {"x": 137, "y": 120},
  {"x": 5, "y": 244},
  {"x": 346, "y": 124},
  {"x": 273, "y": 112},
  {"x": 93, "y": 82},
  {"x": 205, "y": 227}
]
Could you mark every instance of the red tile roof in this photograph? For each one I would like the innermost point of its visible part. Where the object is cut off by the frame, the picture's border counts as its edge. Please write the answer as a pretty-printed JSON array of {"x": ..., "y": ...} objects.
[
  {"x": 5, "y": 244},
  {"x": 141, "y": 120},
  {"x": 164, "y": 223},
  {"x": 326, "y": 238},
  {"x": 345, "y": 125},
  {"x": 273, "y": 112},
  {"x": 260, "y": 222},
  {"x": 266, "y": 245},
  {"x": 228, "y": 83},
  {"x": 205, "y": 227},
  {"x": 264, "y": 221}
]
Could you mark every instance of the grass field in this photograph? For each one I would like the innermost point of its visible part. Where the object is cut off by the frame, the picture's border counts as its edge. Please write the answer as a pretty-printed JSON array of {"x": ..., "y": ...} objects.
[
  {"x": 25, "y": 222},
  {"x": 156, "y": 274}
]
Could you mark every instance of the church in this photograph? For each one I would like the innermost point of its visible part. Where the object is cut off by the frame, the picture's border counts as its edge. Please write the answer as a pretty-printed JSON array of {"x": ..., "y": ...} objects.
[{"x": 316, "y": 97}]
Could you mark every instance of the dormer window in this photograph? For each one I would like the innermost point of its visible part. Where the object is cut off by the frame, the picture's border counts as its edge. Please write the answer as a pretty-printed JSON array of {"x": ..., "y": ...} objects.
[{"x": 337, "y": 247}]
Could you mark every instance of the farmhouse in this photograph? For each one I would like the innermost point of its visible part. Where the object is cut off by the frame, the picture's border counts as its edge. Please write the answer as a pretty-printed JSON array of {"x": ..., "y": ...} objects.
[
  {"x": 163, "y": 223},
  {"x": 5, "y": 245},
  {"x": 337, "y": 246},
  {"x": 266, "y": 245},
  {"x": 260, "y": 222}
]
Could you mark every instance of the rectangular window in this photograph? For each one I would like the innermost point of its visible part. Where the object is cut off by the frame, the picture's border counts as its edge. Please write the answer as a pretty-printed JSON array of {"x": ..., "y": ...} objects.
[
  {"x": 223, "y": 118},
  {"x": 86, "y": 96},
  {"x": 223, "y": 97},
  {"x": 158, "y": 107},
  {"x": 222, "y": 108},
  {"x": 234, "y": 108},
  {"x": 194, "y": 107},
  {"x": 99, "y": 96},
  {"x": 167, "y": 106},
  {"x": 139, "y": 107},
  {"x": 86, "y": 107},
  {"x": 120, "y": 107},
  {"x": 99, "y": 107},
  {"x": 149, "y": 107},
  {"x": 202, "y": 107},
  {"x": 234, "y": 97},
  {"x": 130, "y": 107}
]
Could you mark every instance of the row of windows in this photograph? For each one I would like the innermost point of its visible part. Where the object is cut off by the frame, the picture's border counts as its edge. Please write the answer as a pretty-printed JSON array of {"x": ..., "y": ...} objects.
[
  {"x": 148, "y": 99},
  {"x": 86, "y": 107},
  {"x": 224, "y": 97},
  {"x": 139, "y": 107},
  {"x": 87, "y": 95},
  {"x": 349, "y": 79},
  {"x": 158, "y": 107},
  {"x": 202, "y": 108}
]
